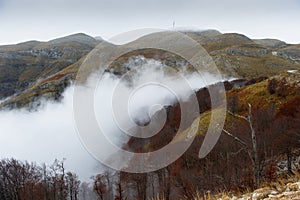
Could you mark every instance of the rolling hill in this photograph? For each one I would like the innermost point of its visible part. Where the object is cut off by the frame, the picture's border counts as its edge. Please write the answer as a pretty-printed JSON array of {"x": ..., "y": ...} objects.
[{"x": 33, "y": 69}]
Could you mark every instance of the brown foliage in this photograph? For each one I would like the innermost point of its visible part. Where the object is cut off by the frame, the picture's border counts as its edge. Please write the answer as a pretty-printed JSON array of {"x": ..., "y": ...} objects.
[{"x": 22, "y": 181}]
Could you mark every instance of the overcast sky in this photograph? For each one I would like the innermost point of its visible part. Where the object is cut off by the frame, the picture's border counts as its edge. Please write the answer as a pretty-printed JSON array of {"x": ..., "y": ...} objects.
[{"x": 22, "y": 20}]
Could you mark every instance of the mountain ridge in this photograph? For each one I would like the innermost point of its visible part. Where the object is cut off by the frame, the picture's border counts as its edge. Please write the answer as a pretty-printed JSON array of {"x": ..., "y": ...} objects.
[{"x": 25, "y": 66}]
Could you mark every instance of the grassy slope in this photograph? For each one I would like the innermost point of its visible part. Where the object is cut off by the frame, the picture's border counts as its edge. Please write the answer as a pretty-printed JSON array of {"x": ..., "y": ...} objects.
[
  {"x": 257, "y": 95},
  {"x": 23, "y": 64},
  {"x": 235, "y": 55}
]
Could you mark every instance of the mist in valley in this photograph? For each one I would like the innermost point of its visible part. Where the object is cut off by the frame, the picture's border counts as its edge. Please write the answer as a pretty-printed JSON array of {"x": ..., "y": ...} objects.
[{"x": 50, "y": 133}]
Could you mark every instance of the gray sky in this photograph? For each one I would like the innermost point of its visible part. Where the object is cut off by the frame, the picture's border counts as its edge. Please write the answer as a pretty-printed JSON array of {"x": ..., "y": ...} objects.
[{"x": 22, "y": 20}]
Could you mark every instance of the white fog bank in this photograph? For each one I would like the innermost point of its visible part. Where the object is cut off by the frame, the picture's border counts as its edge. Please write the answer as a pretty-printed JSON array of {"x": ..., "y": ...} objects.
[{"x": 50, "y": 133}]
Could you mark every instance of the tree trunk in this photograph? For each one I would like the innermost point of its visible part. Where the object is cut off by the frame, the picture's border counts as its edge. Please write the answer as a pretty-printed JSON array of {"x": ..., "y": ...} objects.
[
  {"x": 168, "y": 184},
  {"x": 256, "y": 176},
  {"x": 289, "y": 161}
]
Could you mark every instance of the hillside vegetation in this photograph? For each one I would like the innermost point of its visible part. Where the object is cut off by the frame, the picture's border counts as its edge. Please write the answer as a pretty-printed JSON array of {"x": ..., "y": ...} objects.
[
  {"x": 230, "y": 166},
  {"x": 257, "y": 155},
  {"x": 32, "y": 69}
]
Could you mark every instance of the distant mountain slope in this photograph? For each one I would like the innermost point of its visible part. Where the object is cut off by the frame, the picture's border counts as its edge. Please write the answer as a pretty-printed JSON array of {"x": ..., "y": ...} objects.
[
  {"x": 32, "y": 69},
  {"x": 271, "y": 43},
  {"x": 23, "y": 64},
  {"x": 79, "y": 37}
]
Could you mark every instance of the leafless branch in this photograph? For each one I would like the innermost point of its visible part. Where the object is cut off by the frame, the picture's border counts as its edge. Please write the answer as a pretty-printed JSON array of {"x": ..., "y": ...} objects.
[
  {"x": 234, "y": 137},
  {"x": 238, "y": 116},
  {"x": 239, "y": 151}
]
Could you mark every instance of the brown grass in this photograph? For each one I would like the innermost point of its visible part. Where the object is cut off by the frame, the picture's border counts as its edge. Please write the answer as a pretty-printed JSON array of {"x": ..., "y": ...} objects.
[{"x": 280, "y": 186}]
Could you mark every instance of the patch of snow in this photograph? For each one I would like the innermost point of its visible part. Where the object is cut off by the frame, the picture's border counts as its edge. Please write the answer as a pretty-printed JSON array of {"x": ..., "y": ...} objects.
[
  {"x": 274, "y": 192},
  {"x": 293, "y": 71}
]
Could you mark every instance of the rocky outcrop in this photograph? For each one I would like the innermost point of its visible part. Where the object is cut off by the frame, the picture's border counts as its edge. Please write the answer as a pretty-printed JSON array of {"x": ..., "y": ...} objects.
[
  {"x": 241, "y": 52},
  {"x": 291, "y": 53}
]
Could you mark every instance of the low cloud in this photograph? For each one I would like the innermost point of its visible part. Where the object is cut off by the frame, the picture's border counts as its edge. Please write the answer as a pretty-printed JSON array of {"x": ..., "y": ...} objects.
[{"x": 49, "y": 133}]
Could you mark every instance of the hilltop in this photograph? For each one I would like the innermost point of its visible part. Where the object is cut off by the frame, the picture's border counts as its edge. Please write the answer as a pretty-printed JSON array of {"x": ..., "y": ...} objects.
[
  {"x": 25, "y": 64},
  {"x": 33, "y": 69}
]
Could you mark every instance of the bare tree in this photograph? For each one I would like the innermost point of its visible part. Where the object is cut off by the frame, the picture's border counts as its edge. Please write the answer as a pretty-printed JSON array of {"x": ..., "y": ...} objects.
[
  {"x": 86, "y": 192},
  {"x": 100, "y": 186},
  {"x": 73, "y": 185},
  {"x": 253, "y": 151},
  {"x": 23, "y": 180},
  {"x": 120, "y": 192}
]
